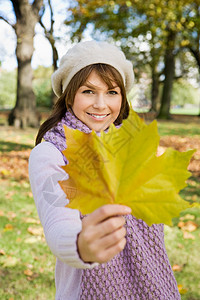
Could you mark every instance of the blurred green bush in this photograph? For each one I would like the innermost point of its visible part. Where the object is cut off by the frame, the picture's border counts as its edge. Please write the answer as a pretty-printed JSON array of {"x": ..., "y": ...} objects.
[
  {"x": 8, "y": 87},
  {"x": 41, "y": 87}
]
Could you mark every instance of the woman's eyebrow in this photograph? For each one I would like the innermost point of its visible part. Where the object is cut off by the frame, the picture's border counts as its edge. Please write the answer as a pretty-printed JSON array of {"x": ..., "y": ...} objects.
[{"x": 92, "y": 86}]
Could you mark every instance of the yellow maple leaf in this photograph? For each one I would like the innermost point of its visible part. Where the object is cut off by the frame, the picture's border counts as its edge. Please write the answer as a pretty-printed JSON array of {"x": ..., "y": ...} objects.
[
  {"x": 121, "y": 166},
  {"x": 182, "y": 289}
]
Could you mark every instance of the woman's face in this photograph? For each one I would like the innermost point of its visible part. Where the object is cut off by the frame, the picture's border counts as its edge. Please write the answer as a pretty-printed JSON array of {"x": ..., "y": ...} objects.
[{"x": 95, "y": 104}]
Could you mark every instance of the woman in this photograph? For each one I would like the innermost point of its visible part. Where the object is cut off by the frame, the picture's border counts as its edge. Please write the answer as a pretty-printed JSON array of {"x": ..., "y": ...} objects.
[{"x": 108, "y": 254}]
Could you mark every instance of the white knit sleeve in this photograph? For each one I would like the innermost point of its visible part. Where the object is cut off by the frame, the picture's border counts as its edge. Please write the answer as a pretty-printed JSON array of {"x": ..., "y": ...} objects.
[{"x": 61, "y": 225}]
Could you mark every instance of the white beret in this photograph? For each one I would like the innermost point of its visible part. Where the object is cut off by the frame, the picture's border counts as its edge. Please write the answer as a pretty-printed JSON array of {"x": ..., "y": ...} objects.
[{"x": 87, "y": 53}]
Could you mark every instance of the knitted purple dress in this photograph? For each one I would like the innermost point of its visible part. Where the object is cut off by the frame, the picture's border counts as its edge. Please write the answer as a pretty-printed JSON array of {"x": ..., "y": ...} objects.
[{"x": 142, "y": 269}]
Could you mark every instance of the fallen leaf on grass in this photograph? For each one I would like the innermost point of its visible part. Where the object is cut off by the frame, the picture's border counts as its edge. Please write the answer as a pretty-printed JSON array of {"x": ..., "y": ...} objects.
[
  {"x": 9, "y": 195},
  {"x": 180, "y": 246},
  {"x": 33, "y": 240},
  {"x": 29, "y": 194},
  {"x": 31, "y": 277},
  {"x": 181, "y": 224},
  {"x": 41, "y": 270},
  {"x": 4, "y": 159},
  {"x": 176, "y": 268},
  {"x": 192, "y": 182},
  {"x": 1, "y": 213},
  {"x": 29, "y": 266},
  {"x": 37, "y": 231},
  {"x": 10, "y": 261},
  {"x": 28, "y": 272},
  {"x": 36, "y": 258},
  {"x": 8, "y": 227},
  {"x": 187, "y": 235},
  {"x": 5, "y": 173},
  {"x": 189, "y": 226},
  {"x": 11, "y": 215},
  {"x": 194, "y": 198},
  {"x": 2, "y": 252},
  {"x": 25, "y": 211},
  {"x": 182, "y": 290},
  {"x": 31, "y": 220}
]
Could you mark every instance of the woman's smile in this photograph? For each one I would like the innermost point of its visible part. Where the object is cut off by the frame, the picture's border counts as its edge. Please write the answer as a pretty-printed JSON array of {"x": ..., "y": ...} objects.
[{"x": 98, "y": 117}]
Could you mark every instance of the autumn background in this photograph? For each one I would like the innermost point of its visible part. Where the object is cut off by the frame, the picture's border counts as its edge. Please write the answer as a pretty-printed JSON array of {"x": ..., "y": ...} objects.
[{"x": 162, "y": 39}]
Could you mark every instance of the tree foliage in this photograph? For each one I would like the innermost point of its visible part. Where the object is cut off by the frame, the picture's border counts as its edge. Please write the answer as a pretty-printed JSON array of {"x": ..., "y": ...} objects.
[{"x": 151, "y": 32}]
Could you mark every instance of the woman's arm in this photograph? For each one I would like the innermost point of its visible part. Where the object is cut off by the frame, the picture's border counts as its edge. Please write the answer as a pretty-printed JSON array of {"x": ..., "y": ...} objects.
[{"x": 61, "y": 225}]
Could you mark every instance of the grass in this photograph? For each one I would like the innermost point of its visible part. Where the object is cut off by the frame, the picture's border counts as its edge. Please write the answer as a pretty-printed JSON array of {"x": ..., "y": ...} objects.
[
  {"x": 26, "y": 264},
  {"x": 185, "y": 111},
  {"x": 193, "y": 111},
  {"x": 178, "y": 128}
]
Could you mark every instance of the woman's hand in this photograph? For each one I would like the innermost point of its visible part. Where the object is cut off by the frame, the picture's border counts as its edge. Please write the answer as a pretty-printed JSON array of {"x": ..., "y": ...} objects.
[{"x": 103, "y": 233}]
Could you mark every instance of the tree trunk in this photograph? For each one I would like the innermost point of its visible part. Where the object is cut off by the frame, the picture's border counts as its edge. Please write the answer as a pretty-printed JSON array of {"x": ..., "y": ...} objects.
[
  {"x": 55, "y": 61},
  {"x": 195, "y": 47},
  {"x": 24, "y": 113},
  {"x": 169, "y": 77},
  {"x": 154, "y": 91},
  {"x": 155, "y": 54}
]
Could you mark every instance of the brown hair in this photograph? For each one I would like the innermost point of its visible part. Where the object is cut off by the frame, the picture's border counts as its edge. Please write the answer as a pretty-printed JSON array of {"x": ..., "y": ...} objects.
[{"x": 109, "y": 75}]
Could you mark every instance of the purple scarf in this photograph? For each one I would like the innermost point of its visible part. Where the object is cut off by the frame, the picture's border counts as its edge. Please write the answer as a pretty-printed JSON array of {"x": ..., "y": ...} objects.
[{"x": 142, "y": 270}]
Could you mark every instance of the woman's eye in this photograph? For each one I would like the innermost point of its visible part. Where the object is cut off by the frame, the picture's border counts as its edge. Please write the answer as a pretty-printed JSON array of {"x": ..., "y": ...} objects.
[
  {"x": 87, "y": 92},
  {"x": 112, "y": 92}
]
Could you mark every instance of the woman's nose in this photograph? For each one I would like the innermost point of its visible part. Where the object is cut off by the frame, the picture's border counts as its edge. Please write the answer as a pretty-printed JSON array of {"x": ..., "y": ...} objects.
[{"x": 99, "y": 102}]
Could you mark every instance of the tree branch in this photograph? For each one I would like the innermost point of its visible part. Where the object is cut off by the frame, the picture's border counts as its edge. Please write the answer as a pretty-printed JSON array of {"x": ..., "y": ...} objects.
[
  {"x": 51, "y": 12},
  {"x": 37, "y": 4},
  {"x": 5, "y": 20},
  {"x": 16, "y": 7},
  {"x": 41, "y": 23},
  {"x": 38, "y": 8},
  {"x": 48, "y": 33}
]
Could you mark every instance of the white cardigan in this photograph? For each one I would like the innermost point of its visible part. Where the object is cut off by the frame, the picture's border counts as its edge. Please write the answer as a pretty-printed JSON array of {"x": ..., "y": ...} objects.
[{"x": 61, "y": 225}]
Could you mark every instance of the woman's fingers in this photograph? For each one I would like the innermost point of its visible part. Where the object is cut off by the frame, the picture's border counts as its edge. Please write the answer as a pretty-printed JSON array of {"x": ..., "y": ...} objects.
[
  {"x": 109, "y": 225},
  {"x": 112, "y": 239},
  {"x": 109, "y": 253},
  {"x": 106, "y": 212}
]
